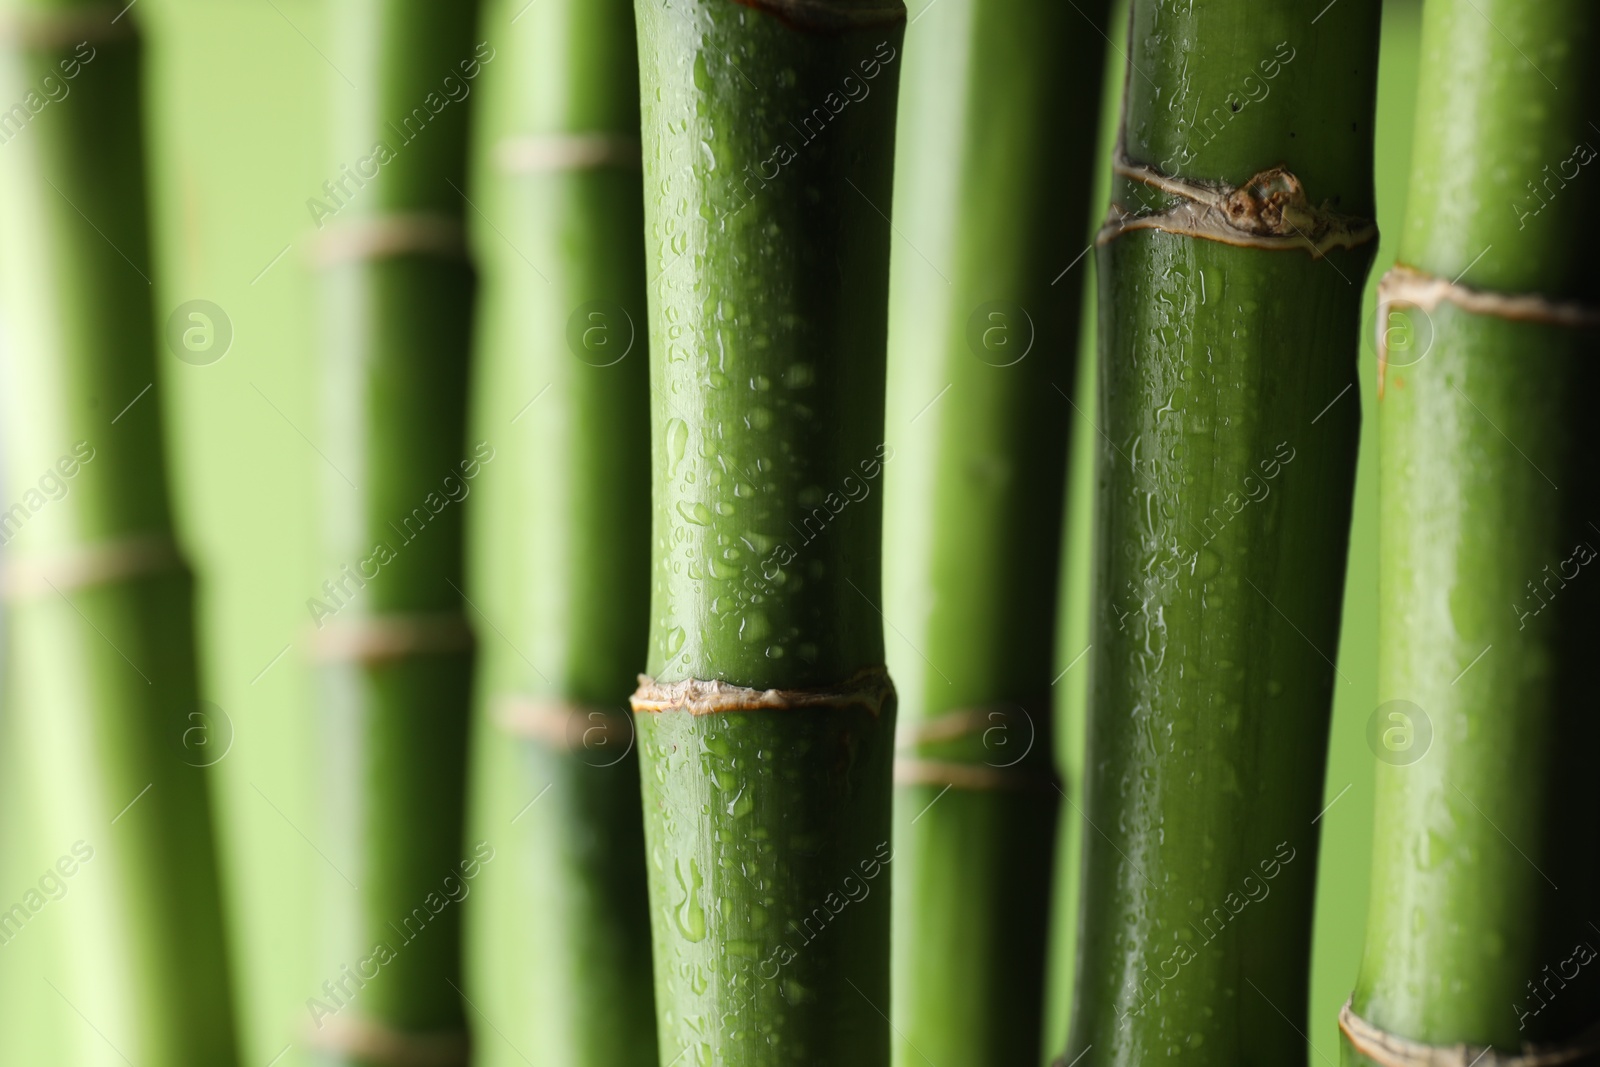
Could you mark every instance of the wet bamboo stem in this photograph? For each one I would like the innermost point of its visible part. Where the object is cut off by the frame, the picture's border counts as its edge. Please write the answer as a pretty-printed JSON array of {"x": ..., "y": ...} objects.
[
  {"x": 1486, "y": 607},
  {"x": 391, "y": 626},
  {"x": 100, "y": 676},
  {"x": 1225, "y": 471},
  {"x": 562, "y": 939},
  {"x": 768, "y": 146},
  {"x": 992, "y": 187}
]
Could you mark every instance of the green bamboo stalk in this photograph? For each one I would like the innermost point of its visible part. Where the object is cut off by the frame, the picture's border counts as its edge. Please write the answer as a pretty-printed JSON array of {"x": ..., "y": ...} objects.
[
  {"x": 1486, "y": 616},
  {"x": 560, "y": 936},
  {"x": 991, "y": 178},
  {"x": 768, "y": 145},
  {"x": 1229, "y": 438},
  {"x": 389, "y": 623},
  {"x": 1075, "y": 580},
  {"x": 101, "y": 679}
]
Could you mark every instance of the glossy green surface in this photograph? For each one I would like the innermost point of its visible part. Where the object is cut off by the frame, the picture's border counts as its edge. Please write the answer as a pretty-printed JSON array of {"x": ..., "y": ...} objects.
[
  {"x": 558, "y": 937},
  {"x": 1485, "y": 612},
  {"x": 770, "y": 864},
  {"x": 768, "y": 151},
  {"x": 121, "y": 912},
  {"x": 994, "y": 161},
  {"x": 1225, "y": 473},
  {"x": 397, "y": 340},
  {"x": 768, "y": 148}
]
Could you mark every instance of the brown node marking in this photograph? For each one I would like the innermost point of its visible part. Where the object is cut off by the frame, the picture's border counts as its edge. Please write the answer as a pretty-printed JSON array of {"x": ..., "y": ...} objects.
[
  {"x": 57, "y": 30},
  {"x": 831, "y": 16},
  {"x": 971, "y": 776},
  {"x": 1404, "y": 286},
  {"x": 373, "y": 1042},
  {"x": 548, "y": 152},
  {"x": 868, "y": 688},
  {"x": 1270, "y": 211},
  {"x": 370, "y": 639},
  {"x": 1392, "y": 1050},
  {"x": 388, "y": 236},
  {"x": 559, "y": 724},
  {"x": 24, "y": 577}
]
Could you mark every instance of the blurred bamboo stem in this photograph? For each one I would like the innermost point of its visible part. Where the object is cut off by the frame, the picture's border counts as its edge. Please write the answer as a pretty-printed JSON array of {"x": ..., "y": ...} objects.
[
  {"x": 390, "y": 627},
  {"x": 992, "y": 185},
  {"x": 100, "y": 677},
  {"x": 561, "y": 939},
  {"x": 1486, "y": 619}
]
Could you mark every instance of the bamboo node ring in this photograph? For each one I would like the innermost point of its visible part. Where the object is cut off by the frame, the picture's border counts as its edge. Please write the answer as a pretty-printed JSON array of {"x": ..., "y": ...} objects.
[
  {"x": 971, "y": 776},
  {"x": 54, "y": 30},
  {"x": 388, "y": 236},
  {"x": 1391, "y": 1050},
  {"x": 545, "y": 153},
  {"x": 561, "y": 725},
  {"x": 24, "y": 577},
  {"x": 1404, "y": 286},
  {"x": 373, "y": 1042},
  {"x": 370, "y": 639},
  {"x": 1270, "y": 211},
  {"x": 868, "y": 688}
]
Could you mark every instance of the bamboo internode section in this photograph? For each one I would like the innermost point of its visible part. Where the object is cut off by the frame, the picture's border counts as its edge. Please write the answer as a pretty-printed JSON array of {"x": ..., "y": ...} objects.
[{"x": 1228, "y": 328}]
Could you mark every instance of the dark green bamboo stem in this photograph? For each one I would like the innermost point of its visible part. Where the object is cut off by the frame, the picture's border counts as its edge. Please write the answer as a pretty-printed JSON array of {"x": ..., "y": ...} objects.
[
  {"x": 991, "y": 187},
  {"x": 391, "y": 624},
  {"x": 1488, "y": 493},
  {"x": 768, "y": 144},
  {"x": 101, "y": 677},
  {"x": 560, "y": 937},
  {"x": 1226, "y": 469}
]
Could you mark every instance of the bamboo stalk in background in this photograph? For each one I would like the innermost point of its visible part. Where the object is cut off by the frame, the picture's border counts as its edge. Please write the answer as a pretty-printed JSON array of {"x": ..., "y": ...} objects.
[
  {"x": 389, "y": 623},
  {"x": 767, "y": 728},
  {"x": 1230, "y": 270},
  {"x": 997, "y": 139},
  {"x": 101, "y": 678},
  {"x": 1485, "y": 796},
  {"x": 559, "y": 937}
]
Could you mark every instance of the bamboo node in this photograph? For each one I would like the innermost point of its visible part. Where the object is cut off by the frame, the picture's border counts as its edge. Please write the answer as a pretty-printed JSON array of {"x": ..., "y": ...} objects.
[
  {"x": 370, "y": 639},
  {"x": 373, "y": 1042},
  {"x": 1392, "y": 1050},
  {"x": 549, "y": 152},
  {"x": 25, "y": 577},
  {"x": 564, "y": 726},
  {"x": 868, "y": 688},
  {"x": 831, "y": 16},
  {"x": 55, "y": 30},
  {"x": 1270, "y": 211},
  {"x": 388, "y": 236},
  {"x": 977, "y": 777},
  {"x": 1404, "y": 286}
]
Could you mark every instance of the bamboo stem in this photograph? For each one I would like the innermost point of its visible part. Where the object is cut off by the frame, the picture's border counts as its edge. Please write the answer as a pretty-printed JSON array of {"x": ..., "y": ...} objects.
[
  {"x": 1486, "y": 495},
  {"x": 101, "y": 676},
  {"x": 1230, "y": 292},
  {"x": 560, "y": 934},
  {"x": 992, "y": 176},
  {"x": 768, "y": 143},
  {"x": 390, "y": 626}
]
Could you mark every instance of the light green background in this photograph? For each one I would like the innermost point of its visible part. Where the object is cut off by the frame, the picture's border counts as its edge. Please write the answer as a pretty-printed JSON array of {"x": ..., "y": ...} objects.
[{"x": 240, "y": 91}]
